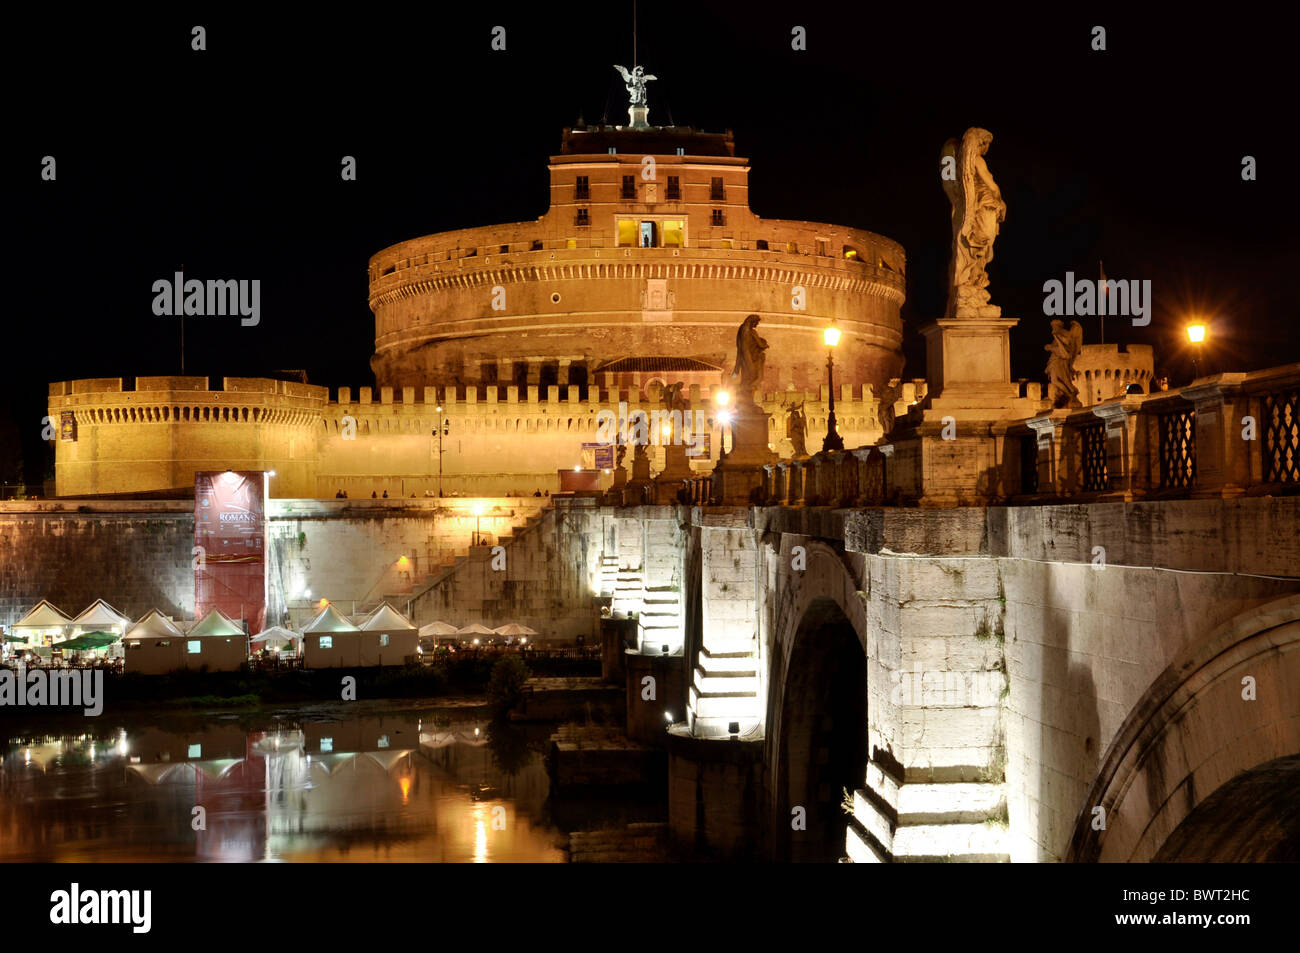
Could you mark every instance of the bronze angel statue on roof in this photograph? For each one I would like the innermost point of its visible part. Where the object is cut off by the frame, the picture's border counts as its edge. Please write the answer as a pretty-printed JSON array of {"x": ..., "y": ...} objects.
[
  {"x": 635, "y": 82},
  {"x": 977, "y": 211}
]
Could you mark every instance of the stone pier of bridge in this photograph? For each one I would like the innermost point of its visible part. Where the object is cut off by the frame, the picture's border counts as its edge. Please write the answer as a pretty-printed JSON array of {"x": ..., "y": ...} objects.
[{"x": 979, "y": 683}]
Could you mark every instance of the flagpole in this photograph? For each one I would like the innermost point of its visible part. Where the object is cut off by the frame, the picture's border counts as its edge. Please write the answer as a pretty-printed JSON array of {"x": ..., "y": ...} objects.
[{"x": 1101, "y": 267}]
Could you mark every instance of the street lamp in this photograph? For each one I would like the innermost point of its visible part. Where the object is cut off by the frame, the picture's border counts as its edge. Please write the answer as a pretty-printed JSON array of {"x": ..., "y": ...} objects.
[
  {"x": 478, "y": 515},
  {"x": 1196, "y": 334},
  {"x": 441, "y": 432},
  {"x": 722, "y": 399},
  {"x": 833, "y": 439}
]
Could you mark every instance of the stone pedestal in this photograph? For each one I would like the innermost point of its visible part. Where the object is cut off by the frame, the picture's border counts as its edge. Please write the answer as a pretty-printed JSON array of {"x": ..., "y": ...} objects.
[
  {"x": 676, "y": 472},
  {"x": 950, "y": 452},
  {"x": 635, "y": 490},
  {"x": 740, "y": 470}
]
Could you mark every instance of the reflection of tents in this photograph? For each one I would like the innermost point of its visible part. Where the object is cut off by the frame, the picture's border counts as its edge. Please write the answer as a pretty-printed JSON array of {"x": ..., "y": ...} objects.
[
  {"x": 438, "y": 629},
  {"x": 514, "y": 629}
]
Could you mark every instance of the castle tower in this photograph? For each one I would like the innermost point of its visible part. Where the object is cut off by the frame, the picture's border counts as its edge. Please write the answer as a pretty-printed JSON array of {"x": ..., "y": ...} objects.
[{"x": 649, "y": 255}]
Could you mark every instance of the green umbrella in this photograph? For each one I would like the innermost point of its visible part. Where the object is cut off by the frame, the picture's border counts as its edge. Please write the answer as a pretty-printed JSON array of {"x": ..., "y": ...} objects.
[
  {"x": 90, "y": 640},
  {"x": 15, "y": 638}
]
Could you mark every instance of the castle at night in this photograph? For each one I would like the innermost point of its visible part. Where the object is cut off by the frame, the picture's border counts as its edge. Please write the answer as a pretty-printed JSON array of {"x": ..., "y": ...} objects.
[{"x": 513, "y": 339}]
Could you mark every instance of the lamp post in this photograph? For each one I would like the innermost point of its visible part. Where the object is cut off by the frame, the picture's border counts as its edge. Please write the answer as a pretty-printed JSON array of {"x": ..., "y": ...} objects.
[
  {"x": 478, "y": 515},
  {"x": 833, "y": 439},
  {"x": 442, "y": 430},
  {"x": 1196, "y": 334},
  {"x": 722, "y": 399}
]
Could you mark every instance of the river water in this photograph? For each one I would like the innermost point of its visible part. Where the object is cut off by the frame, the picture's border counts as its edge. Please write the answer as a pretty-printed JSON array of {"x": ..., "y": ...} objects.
[{"x": 297, "y": 785}]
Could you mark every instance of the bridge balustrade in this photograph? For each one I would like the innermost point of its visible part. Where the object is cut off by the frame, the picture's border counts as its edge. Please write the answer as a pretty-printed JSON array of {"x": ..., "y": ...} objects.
[{"x": 1222, "y": 436}]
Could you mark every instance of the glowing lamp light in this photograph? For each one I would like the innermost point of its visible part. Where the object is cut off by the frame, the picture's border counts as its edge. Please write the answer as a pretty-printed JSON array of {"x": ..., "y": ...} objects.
[
  {"x": 668, "y": 717},
  {"x": 478, "y": 509},
  {"x": 722, "y": 399},
  {"x": 403, "y": 562},
  {"x": 270, "y": 473},
  {"x": 323, "y": 603},
  {"x": 725, "y": 417},
  {"x": 831, "y": 336},
  {"x": 306, "y": 593},
  {"x": 476, "y": 643},
  {"x": 666, "y": 430},
  {"x": 438, "y": 409},
  {"x": 1196, "y": 333},
  {"x": 577, "y": 469}
]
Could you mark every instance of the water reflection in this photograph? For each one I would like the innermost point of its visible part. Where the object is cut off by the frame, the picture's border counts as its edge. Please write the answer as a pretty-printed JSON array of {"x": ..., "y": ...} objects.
[{"x": 411, "y": 786}]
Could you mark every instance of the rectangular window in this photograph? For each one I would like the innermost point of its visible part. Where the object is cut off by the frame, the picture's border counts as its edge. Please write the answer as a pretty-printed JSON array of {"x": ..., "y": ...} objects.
[
  {"x": 195, "y": 751},
  {"x": 193, "y": 647},
  {"x": 582, "y": 188},
  {"x": 717, "y": 193},
  {"x": 673, "y": 233},
  {"x": 326, "y": 642},
  {"x": 382, "y": 742},
  {"x": 626, "y": 231},
  {"x": 629, "y": 186},
  {"x": 761, "y": 244},
  {"x": 646, "y": 236},
  {"x": 505, "y": 249},
  {"x": 792, "y": 247},
  {"x": 327, "y": 744},
  {"x": 383, "y": 639},
  {"x": 570, "y": 243},
  {"x": 583, "y": 217},
  {"x": 674, "y": 192},
  {"x": 718, "y": 217},
  {"x": 537, "y": 245},
  {"x": 823, "y": 247}
]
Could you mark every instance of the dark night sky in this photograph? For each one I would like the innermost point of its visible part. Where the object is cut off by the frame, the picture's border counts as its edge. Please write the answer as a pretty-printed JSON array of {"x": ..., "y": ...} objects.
[{"x": 228, "y": 161}]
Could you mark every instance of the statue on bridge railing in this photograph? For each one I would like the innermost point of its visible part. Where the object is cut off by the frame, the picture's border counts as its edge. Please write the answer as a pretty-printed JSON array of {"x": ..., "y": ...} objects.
[
  {"x": 750, "y": 359},
  {"x": 977, "y": 211},
  {"x": 1067, "y": 344},
  {"x": 796, "y": 429}
]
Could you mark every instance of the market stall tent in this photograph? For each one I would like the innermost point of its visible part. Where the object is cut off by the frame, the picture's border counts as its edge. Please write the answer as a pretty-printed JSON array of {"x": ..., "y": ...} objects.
[{"x": 42, "y": 625}]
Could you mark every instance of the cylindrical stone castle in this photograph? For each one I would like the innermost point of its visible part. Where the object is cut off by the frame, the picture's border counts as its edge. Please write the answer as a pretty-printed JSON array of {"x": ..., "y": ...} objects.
[{"x": 649, "y": 251}]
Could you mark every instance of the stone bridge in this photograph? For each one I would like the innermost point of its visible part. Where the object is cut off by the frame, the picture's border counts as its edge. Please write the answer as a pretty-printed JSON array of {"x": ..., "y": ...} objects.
[{"x": 1098, "y": 681}]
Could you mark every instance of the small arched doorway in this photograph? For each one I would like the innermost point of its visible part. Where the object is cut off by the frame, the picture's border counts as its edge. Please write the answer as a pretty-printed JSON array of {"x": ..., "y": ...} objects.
[{"x": 822, "y": 736}]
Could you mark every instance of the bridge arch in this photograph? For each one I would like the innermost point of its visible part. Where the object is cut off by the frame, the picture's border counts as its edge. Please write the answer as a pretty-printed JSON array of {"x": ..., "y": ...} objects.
[
  {"x": 817, "y": 736},
  {"x": 1197, "y": 771}
]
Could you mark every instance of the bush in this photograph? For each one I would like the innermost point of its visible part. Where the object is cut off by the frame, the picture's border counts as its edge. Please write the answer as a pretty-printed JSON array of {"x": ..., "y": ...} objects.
[{"x": 506, "y": 686}]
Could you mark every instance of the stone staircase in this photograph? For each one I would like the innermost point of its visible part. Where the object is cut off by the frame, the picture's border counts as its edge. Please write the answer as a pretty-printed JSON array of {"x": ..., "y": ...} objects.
[
  {"x": 724, "y": 688},
  {"x": 449, "y": 567}
]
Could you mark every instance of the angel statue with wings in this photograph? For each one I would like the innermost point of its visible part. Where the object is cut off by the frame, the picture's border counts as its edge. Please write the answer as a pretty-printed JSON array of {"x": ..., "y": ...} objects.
[
  {"x": 635, "y": 82},
  {"x": 1067, "y": 344},
  {"x": 977, "y": 211}
]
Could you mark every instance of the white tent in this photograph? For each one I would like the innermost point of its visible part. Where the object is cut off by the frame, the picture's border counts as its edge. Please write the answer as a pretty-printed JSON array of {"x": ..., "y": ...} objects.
[
  {"x": 154, "y": 625},
  {"x": 276, "y": 636},
  {"x": 436, "y": 629},
  {"x": 514, "y": 629},
  {"x": 216, "y": 622},
  {"x": 329, "y": 620},
  {"x": 386, "y": 619},
  {"x": 476, "y": 628},
  {"x": 99, "y": 616},
  {"x": 43, "y": 621}
]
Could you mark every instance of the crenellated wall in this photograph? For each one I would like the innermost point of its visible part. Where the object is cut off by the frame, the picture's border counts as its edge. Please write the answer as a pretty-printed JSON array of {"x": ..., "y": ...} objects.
[{"x": 498, "y": 440}]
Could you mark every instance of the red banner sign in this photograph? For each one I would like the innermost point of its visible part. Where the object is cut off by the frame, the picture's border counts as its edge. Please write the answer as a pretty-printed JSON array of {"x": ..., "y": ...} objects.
[{"x": 230, "y": 545}]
